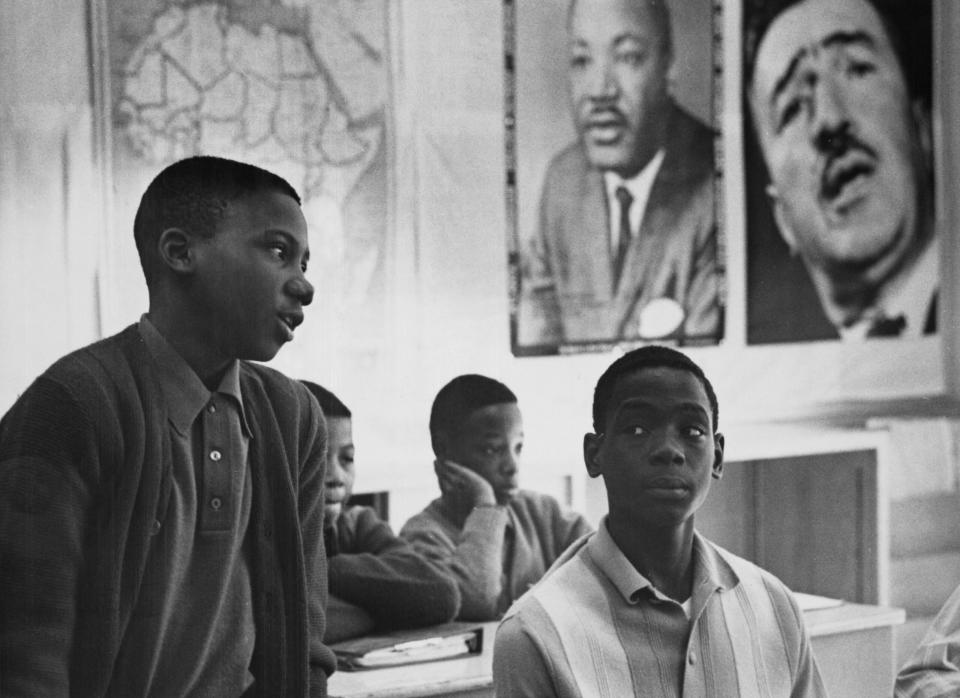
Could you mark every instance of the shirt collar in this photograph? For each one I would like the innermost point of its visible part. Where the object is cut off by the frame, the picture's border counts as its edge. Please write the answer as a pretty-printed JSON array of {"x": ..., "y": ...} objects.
[
  {"x": 909, "y": 294},
  {"x": 184, "y": 392},
  {"x": 710, "y": 571}
]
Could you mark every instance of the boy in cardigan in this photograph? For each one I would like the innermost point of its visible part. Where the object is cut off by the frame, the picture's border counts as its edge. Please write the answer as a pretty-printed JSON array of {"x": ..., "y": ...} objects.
[
  {"x": 494, "y": 538},
  {"x": 647, "y": 606},
  {"x": 161, "y": 498},
  {"x": 377, "y": 580}
]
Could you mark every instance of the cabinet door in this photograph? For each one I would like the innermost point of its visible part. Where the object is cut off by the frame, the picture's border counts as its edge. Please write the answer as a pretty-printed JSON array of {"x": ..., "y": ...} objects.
[{"x": 811, "y": 520}]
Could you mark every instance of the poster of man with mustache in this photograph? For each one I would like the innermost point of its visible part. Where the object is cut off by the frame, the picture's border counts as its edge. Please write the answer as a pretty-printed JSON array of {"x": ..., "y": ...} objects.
[
  {"x": 841, "y": 242},
  {"x": 616, "y": 237}
]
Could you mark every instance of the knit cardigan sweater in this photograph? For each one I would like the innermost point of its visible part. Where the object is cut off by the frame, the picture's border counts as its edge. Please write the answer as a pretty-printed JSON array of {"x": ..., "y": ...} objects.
[{"x": 85, "y": 459}]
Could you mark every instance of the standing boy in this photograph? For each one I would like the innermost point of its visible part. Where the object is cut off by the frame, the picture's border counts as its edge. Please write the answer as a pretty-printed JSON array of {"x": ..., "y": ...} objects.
[
  {"x": 495, "y": 539},
  {"x": 377, "y": 580},
  {"x": 161, "y": 498},
  {"x": 647, "y": 606}
]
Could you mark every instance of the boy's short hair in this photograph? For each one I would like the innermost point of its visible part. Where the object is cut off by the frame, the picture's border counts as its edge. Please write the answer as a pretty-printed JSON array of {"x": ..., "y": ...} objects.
[
  {"x": 463, "y": 395},
  {"x": 330, "y": 404},
  {"x": 193, "y": 194},
  {"x": 653, "y": 356}
]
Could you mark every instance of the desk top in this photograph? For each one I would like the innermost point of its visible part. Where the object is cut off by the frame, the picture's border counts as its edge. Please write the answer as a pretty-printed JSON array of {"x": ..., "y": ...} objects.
[
  {"x": 850, "y": 618},
  {"x": 452, "y": 675}
]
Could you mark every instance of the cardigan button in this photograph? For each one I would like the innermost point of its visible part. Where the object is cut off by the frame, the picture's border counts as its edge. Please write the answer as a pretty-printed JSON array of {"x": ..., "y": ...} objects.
[{"x": 155, "y": 528}]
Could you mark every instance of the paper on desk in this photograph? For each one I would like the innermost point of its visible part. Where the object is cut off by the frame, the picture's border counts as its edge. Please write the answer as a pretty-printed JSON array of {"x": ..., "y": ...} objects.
[{"x": 410, "y": 646}]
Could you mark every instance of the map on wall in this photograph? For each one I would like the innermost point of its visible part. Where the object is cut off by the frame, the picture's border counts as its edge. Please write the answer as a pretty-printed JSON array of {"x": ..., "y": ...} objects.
[{"x": 298, "y": 87}]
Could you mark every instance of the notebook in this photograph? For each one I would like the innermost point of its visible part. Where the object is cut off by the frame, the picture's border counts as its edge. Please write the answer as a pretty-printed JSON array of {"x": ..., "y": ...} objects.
[{"x": 400, "y": 647}]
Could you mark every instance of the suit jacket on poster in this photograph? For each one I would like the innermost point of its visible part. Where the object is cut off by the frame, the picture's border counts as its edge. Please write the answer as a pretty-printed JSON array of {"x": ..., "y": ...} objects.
[{"x": 567, "y": 290}]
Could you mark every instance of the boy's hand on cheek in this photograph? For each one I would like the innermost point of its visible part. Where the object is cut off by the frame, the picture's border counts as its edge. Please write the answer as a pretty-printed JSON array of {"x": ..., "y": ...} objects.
[{"x": 463, "y": 487}]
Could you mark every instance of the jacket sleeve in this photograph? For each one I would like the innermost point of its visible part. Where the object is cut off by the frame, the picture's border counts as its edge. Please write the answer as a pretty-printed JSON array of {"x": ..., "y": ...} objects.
[
  {"x": 934, "y": 667},
  {"x": 346, "y": 621},
  {"x": 520, "y": 668},
  {"x": 385, "y": 576},
  {"x": 47, "y": 465},
  {"x": 702, "y": 296},
  {"x": 539, "y": 319},
  {"x": 310, "y": 510},
  {"x": 474, "y": 559},
  {"x": 807, "y": 681}
]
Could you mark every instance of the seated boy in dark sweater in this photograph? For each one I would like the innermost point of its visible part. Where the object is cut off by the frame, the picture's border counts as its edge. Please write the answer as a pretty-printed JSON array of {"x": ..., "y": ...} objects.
[
  {"x": 495, "y": 538},
  {"x": 377, "y": 580}
]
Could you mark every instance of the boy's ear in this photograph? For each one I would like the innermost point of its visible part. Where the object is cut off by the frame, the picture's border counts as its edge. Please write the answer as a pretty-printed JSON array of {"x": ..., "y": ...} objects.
[
  {"x": 717, "y": 470},
  {"x": 176, "y": 249},
  {"x": 441, "y": 445},
  {"x": 591, "y": 454}
]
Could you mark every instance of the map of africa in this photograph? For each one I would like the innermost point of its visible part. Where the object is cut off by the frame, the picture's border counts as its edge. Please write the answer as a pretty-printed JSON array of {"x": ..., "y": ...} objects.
[{"x": 294, "y": 86}]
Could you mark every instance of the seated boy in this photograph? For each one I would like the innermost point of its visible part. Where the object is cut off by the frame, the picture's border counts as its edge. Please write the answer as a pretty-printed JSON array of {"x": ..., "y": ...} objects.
[
  {"x": 161, "y": 497},
  {"x": 496, "y": 539},
  {"x": 377, "y": 581},
  {"x": 934, "y": 667},
  {"x": 647, "y": 606}
]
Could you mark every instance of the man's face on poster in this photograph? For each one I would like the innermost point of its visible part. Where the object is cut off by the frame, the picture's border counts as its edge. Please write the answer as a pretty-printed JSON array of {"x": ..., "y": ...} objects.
[
  {"x": 620, "y": 55},
  {"x": 835, "y": 122}
]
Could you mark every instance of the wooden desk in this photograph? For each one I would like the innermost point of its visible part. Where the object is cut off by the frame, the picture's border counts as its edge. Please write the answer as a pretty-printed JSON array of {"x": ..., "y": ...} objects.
[{"x": 853, "y": 645}]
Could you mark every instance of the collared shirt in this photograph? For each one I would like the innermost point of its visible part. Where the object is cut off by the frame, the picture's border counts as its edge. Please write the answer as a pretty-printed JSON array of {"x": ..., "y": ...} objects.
[
  {"x": 195, "y": 609},
  {"x": 933, "y": 670},
  {"x": 909, "y": 295},
  {"x": 639, "y": 187},
  {"x": 595, "y": 626}
]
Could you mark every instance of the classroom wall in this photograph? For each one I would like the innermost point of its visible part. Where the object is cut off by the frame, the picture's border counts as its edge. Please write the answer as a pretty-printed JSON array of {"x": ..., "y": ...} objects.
[{"x": 62, "y": 281}]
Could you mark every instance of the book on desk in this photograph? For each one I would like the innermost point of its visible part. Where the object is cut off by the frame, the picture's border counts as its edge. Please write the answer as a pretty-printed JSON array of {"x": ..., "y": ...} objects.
[{"x": 401, "y": 647}]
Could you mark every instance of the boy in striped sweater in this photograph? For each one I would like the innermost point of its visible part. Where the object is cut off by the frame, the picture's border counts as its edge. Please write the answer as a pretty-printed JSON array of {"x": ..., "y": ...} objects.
[{"x": 647, "y": 606}]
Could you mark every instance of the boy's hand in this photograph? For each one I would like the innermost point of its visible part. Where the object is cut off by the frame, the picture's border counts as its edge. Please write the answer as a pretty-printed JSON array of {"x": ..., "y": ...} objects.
[{"x": 462, "y": 487}]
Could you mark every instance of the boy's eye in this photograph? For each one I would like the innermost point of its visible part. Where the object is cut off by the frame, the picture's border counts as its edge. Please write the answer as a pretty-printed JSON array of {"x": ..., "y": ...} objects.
[
  {"x": 279, "y": 250},
  {"x": 636, "y": 430},
  {"x": 694, "y": 431}
]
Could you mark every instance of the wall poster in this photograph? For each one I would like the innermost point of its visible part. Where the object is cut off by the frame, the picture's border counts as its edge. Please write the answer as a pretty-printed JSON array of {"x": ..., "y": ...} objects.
[
  {"x": 613, "y": 155},
  {"x": 841, "y": 238}
]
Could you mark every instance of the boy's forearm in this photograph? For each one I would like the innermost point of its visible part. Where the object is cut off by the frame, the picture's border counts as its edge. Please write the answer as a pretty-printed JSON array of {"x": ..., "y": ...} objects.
[
  {"x": 400, "y": 588},
  {"x": 477, "y": 562}
]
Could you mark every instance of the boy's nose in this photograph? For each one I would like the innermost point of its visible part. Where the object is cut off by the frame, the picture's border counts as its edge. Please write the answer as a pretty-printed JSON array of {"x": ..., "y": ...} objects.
[
  {"x": 301, "y": 289},
  {"x": 668, "y": 452}
]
